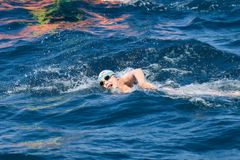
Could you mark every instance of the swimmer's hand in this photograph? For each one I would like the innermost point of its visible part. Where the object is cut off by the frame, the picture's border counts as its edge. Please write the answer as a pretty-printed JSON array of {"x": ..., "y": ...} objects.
[{"x": 147, "y": 85}]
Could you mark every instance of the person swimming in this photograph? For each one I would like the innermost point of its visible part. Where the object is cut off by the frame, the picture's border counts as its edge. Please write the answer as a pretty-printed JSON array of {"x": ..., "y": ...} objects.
[{"x": 124, "y": 84}]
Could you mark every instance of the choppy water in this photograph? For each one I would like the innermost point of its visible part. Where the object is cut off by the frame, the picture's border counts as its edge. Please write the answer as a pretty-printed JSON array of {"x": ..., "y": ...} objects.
[{"x": 53, "y": 108}]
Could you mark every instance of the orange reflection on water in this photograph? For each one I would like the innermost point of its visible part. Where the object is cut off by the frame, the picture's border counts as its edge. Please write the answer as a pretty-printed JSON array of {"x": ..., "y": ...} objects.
[
  {"x": 104, "y": 22},
  {"x": 7, "y": 21},
  {"x": 27, "y": 34},
  {"x": 32, "y": 5},
  {"x": 30, "y": 32},
  {"x": 25, "y": 4},
  {"x": 94, "y": 20}
]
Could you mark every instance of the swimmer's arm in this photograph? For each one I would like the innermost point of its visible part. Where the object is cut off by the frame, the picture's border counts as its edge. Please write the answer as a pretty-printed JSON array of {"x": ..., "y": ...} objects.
[{"x": 139, "y": 75}]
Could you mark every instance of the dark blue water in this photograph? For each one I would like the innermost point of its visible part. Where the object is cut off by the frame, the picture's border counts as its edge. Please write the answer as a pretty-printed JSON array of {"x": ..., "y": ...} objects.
[{"x": 53, "y": 108}]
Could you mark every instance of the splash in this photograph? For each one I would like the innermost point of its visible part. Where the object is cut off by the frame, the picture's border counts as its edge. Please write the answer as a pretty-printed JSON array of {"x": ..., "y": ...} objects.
[
  {"x": 53, "y": 80},
  {"x": 219, "y": 88}
]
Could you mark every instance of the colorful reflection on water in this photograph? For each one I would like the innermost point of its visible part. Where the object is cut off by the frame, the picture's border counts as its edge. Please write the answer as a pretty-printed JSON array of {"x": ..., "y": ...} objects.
[{"x": 41, "y": 17}]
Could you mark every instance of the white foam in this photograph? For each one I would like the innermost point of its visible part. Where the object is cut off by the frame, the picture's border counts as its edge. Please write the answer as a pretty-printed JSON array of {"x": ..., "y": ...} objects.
[
  {"x": 199, "y": 100},
  {"x": 123, "y": 72},
  {"x": 214, "y": 88},
  {"x": 18, "y": 89},
  {"x": 175, "y": 70},
  {"x": 81, "y": 84},
  {"x": 48, "y": 69},
  {"x": 172, "y": 60},
  {"x": 155, "y": 66},
  {"x": 62, "y": 81}
]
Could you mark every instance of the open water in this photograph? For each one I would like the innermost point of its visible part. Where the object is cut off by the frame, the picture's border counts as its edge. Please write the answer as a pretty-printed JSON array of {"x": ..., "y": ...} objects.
[{"x": 53, "y": 108}]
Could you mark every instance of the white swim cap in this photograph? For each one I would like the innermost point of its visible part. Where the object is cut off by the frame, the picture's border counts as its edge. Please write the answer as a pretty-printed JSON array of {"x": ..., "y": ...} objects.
[{"x": 105, "y": 73}]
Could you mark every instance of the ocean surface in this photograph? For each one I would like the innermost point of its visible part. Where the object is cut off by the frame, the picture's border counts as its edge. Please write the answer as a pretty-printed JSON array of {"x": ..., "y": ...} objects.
[{"x": 52, "y": 107}]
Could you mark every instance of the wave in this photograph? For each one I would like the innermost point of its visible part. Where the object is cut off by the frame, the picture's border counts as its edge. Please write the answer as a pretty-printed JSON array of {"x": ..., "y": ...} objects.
[
  {"x": 108, "y": 19},
  {"x": 9, "y": 156},
  {"x": 176, "y": 5},
  {"x": 184, "y": 62},
  {"x": 50, "y": 97},
  {"x": 53, "y": 80},
  {"x": 192, "y": 5},
  {"x": 211, "y": 24},
  {"x": 203, "y": 5}
]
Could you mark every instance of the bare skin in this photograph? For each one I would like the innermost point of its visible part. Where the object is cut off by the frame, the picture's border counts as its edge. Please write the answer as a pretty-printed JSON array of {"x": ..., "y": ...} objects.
[{"x": 125, "y": 83}]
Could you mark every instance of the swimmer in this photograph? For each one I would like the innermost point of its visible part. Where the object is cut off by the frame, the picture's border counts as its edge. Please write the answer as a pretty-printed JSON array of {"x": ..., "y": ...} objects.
[{"x": 124, "y": 84}]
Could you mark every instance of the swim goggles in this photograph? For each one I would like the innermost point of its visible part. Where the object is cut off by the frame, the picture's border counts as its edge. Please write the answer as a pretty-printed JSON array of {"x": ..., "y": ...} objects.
[{"x": 106, "y": 79}]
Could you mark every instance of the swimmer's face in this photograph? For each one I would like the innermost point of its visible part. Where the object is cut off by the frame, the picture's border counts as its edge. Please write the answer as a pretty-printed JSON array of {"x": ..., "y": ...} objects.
[{"x": 109, "y": 82}]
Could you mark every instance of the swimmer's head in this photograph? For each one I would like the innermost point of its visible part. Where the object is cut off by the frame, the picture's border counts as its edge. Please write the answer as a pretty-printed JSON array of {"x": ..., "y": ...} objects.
[
  {"x": 107, "y": 80},
  {"x": 104, "y": 73}
]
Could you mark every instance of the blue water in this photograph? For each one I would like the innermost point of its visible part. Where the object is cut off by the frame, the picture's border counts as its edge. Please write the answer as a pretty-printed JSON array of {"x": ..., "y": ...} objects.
[{"x": 53, "y": 108}]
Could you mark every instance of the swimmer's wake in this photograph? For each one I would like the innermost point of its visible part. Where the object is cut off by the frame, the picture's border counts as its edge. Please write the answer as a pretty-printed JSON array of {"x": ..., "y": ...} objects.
[{"x": 204, "y": 89}]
